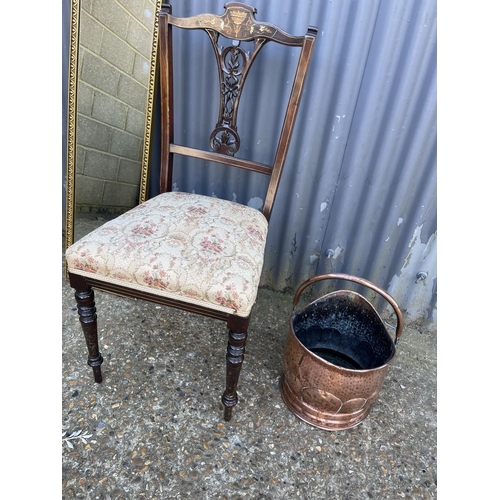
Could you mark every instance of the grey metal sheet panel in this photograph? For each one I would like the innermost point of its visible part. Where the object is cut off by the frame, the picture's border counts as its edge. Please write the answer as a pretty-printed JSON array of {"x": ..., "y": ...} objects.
[{"x": 358, "y": 194}]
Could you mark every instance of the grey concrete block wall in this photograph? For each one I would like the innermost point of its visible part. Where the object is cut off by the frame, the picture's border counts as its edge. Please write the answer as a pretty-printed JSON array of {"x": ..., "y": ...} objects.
[{"x": 115, "y": 45}]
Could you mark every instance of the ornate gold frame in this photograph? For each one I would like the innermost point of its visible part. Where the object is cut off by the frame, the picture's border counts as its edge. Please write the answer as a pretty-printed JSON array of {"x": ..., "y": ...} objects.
[
  {"x": 71, "y": 121},
  {"x": 72, "y": 117},
  {"x": 143, "y": 189}
]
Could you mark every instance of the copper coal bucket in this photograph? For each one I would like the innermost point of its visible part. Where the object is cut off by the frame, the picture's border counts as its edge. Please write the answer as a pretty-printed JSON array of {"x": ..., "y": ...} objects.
[{"x": 336, "y": 356}]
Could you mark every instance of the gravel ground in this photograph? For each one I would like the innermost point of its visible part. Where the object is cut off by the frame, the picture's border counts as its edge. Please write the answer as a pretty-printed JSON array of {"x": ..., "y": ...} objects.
[{"x": 154, "y": 428}]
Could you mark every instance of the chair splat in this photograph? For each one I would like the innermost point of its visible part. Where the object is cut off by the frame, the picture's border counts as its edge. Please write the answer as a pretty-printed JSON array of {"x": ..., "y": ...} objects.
[{"x": 233, "y": 64}]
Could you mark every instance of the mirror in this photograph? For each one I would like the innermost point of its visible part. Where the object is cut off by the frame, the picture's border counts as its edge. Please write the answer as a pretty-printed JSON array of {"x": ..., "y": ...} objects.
[{"x": 111, "y": 75}]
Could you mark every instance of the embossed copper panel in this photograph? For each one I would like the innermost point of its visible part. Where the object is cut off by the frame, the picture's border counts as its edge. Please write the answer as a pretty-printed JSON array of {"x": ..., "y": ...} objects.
[{"x": 336, "y": 357}]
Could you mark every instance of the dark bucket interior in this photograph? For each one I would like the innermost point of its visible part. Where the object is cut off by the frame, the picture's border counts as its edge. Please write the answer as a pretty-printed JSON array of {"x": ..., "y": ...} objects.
[{"x": 344, "y": 330}]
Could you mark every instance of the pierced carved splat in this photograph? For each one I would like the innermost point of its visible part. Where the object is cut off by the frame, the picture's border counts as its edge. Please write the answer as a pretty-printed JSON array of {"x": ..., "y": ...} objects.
[{"x": 233, "y": 65}]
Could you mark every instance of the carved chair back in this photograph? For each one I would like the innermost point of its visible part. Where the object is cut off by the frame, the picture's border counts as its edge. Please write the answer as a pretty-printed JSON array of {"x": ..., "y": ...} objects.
[{"x": 237, "y": 24}]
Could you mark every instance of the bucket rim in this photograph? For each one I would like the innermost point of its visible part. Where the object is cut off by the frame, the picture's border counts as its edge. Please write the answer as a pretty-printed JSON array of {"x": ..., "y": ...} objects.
[
  {"x": 360, "y": 281},
  {"x": 324, "y": 361}
]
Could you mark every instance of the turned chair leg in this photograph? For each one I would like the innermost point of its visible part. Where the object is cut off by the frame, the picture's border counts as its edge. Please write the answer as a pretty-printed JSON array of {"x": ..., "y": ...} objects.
[
  {"x": 234, "y": 359},
  {"x": 84, "y": 296}
]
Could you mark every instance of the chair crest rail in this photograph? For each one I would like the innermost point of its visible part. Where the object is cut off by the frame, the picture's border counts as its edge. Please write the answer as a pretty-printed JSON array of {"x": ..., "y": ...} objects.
[{"x": 237, "y": 22}]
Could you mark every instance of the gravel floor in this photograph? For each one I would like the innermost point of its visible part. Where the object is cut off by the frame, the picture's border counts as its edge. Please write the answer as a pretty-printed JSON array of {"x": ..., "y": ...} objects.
[{"x": 154, "y": 428}]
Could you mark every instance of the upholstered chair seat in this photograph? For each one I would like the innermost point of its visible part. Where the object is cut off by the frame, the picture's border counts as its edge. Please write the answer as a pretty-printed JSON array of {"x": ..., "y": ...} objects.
[{"x": 198, "y": 249}]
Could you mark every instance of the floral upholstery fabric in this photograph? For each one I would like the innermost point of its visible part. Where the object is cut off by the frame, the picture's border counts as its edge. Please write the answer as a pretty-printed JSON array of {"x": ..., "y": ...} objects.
[{"x": 189, "y": 247}]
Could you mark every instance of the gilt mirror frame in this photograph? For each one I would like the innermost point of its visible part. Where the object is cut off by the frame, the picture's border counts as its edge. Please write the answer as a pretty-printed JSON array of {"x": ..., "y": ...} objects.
[{"x": 72, "y": 116}]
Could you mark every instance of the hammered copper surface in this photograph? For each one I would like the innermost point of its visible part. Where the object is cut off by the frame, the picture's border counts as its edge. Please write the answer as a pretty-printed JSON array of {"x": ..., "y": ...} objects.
[{"x": 321, "y": 393}]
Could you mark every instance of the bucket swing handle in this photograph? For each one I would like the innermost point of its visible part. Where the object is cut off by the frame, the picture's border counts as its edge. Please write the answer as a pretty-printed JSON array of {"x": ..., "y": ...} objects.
[{"x": 359, "y": 281}]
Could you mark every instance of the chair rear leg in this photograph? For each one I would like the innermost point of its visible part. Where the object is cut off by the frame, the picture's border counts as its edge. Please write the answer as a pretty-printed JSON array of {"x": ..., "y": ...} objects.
[
  {"x": 84, "y": 296},
  {"x": 234, "y": 359}
]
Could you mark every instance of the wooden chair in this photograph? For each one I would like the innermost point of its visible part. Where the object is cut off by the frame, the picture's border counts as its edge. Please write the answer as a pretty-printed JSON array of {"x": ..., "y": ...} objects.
[{"x": 197, "y": 253}]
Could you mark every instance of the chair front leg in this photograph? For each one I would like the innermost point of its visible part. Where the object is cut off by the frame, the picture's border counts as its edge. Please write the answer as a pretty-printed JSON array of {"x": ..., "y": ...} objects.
[
  {"x": 234, "y": 359},
  {"x": 84, "y": 296}
]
